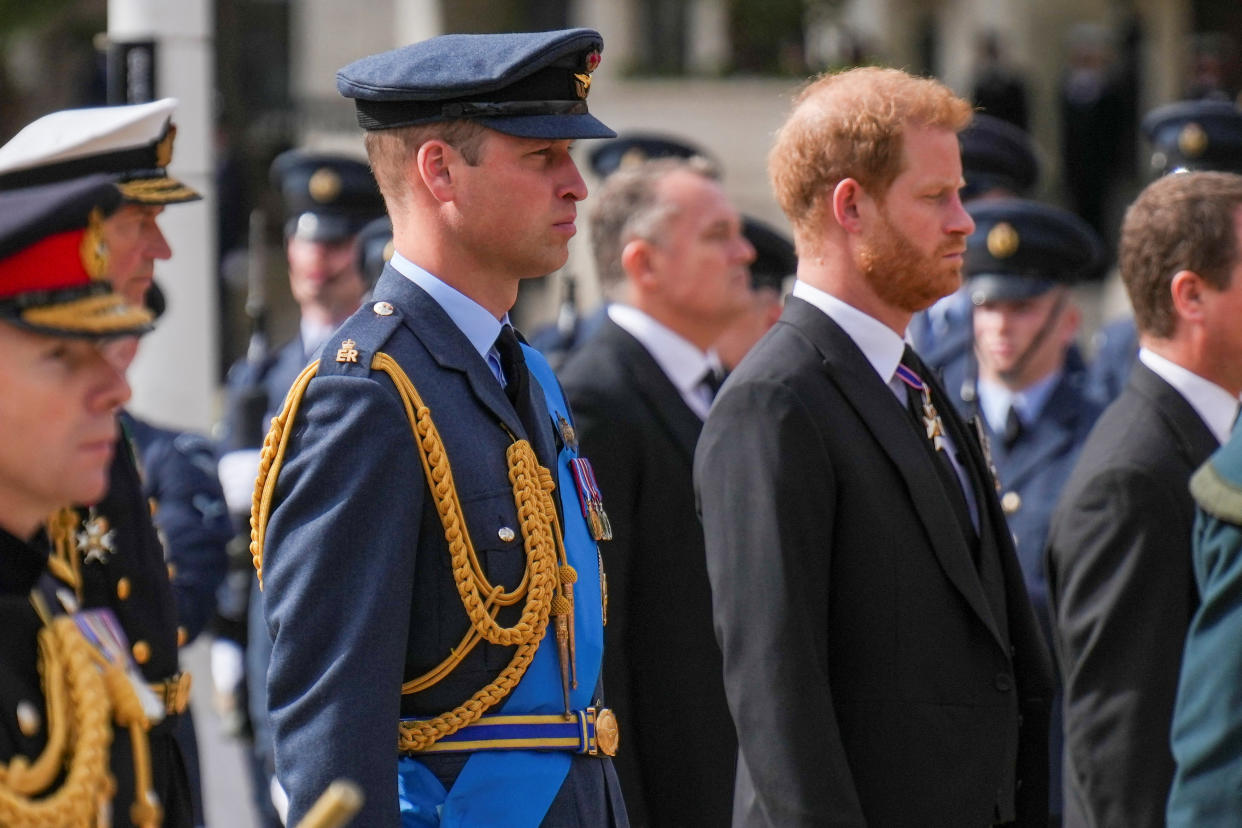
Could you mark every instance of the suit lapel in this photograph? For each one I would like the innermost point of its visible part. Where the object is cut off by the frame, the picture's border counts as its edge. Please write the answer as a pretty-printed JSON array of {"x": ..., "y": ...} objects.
[
  {"x": 889, "y": 424},
  {"x": 653, "y": 387},
  {"x": 447, "y": 345}
]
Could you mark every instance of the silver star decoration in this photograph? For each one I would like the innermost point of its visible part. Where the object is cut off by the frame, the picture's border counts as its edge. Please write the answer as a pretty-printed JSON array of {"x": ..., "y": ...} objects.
[{"x": 96, "y": 539}]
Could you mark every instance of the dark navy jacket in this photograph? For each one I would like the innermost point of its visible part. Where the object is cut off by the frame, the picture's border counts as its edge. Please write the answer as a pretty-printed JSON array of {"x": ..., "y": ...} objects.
[{"x": 359, "y": 596}]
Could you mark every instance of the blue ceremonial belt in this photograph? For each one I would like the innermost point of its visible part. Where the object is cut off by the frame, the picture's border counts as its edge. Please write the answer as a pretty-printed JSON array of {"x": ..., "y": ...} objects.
[
  {"x": 515, "y": 786},
  {"x": 551, "y": 731}
]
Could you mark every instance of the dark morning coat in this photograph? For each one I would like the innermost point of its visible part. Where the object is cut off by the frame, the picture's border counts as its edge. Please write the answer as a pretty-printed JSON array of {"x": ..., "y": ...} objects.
[
  {"x": 1122, "y": 594},
  {"x": 876, "y": 676},
  {"x": 358, "y": 591},
  {"x": 662, "y": 664}
]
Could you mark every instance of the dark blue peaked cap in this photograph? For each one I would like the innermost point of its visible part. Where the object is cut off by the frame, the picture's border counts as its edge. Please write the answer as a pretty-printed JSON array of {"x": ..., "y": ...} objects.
[
  {"x": 1195, "y": 135},
  {"x": 997, "y": 155},
  {"x": 531, "y": 85},
  {"x": 637, "y": 147},
  {"x": 1023, "y": 248}
]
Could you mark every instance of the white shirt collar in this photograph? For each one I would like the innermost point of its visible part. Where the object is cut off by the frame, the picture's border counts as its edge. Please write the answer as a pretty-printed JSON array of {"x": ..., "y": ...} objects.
[
  {"x": 1214, "y": 405},
  {"x": 471, "y": 318},
  {"x": 880, "y": 344},
  {"x": 680, "y": 360}
]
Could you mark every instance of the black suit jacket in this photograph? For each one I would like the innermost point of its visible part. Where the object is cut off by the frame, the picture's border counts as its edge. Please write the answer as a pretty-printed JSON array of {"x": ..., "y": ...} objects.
[
  {"x": 662, "y": 664},
  {"x": 1122, "y": 593},
  {"x": 876, "y": 675}
]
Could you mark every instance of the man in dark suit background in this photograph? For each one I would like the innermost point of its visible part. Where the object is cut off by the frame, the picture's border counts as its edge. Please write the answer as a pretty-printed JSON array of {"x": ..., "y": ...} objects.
[
  {"x": 1120, "y": 583},
  {"x": 882, "y": 662},
  {"x": 668, "y": 239}
]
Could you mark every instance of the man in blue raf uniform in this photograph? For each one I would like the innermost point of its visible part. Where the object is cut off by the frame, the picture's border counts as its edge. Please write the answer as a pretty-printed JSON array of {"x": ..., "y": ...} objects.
[
  {"x": 1184, "y": 136},
  {"x": 112, "y": 553},
  {"x": 58, "y": 429},
  {"x": 430, "y": 563},
  {"x": 1030, "y": 391},
  {"x": 327, "y": 199}
]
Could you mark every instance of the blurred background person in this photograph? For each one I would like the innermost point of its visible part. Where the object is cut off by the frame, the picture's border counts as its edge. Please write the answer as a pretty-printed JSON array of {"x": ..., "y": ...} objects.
[
  {"x": 666, "y": 235},
  {"x": 327, "y": 199},
  {"x": 1120, "y": 583},
  {"x": 1026, "y": 382}
]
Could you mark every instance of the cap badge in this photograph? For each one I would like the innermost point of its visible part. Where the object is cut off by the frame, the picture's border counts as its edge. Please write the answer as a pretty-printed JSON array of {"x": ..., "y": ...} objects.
[
  {"x": 164, "y": 149},
  {"x": 632, "y": 158},
  {"x": 348, "y": 352},
  {"x": 93, "y": 249},
  {"x": 582, "y": 80},
  {"x": 1003, "y": 240},
  {"x": 1192, "y": 140},
  {"x": 324, "y": 185}
]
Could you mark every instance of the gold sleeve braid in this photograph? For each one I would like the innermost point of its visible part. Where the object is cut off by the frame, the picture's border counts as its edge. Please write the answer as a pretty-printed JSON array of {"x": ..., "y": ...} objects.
[{"x": 546, "y": 583}]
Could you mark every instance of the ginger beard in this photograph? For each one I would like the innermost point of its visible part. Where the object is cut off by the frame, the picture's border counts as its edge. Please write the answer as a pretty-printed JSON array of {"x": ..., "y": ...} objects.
[{"x": 903, "y": 276}]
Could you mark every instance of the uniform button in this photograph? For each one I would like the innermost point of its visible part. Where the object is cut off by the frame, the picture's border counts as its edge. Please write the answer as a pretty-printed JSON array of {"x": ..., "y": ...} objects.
[
  {"x": 153, "y": 505},
  {"x": 142, "y": 652},
  {"x": 122, "y": 589},
  {"x": 382, "y": 309},
  {"x": 1003, "y": 682},
  {"x": 29, "y": 720},
  {"x": 172, "y": 571},
  {"x": 1011, "y": 502},
  {"x": 183, "y": 635},
  {"x": 505, "y": 534}
]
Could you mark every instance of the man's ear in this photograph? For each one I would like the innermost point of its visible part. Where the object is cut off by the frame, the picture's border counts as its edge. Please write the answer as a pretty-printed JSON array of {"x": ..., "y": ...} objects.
[
  {"x": 1188, "y": 290},
  {"x": 636, "y": 261},
  {"x": 433, "y": 165},
  {"x": 847, "y": 197}
]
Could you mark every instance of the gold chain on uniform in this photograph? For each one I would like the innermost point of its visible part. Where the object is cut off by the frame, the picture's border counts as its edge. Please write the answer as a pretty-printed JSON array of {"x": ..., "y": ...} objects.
[
  {"x": 82, "y": 692},
  {"x": 547, "y": 582}
]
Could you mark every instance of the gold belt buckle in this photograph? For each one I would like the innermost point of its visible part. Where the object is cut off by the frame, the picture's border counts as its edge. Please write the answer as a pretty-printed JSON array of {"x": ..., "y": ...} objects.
[
  {"x": 607, "y": 733},
  {"x": 175, "y": 692}
]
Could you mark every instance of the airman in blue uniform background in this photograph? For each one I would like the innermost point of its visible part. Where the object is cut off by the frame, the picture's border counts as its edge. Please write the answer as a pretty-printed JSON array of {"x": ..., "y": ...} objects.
[
  {"x": 378, "y": 604},
  {"x": 327, "y": 199},
  {"x": 1029, "y": 395}
]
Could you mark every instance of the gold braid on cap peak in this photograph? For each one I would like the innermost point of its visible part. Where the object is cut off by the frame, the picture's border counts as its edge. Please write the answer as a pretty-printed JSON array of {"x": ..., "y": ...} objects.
[
  {"x": 99, "y": 314},
  {"x": 546, "y": 583}
]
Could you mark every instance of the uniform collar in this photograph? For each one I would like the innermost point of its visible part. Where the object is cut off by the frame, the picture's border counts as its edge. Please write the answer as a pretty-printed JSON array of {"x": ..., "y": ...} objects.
[
  {"x": 995, "y": 400},
  {"x": 471, "y": 318}
]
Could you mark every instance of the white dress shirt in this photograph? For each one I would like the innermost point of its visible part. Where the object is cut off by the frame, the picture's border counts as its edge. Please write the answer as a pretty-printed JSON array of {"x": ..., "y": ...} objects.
[
  {"x": 1214, "y": 405},
  {"x": 883, "y": 347},
  {"x": 680, "y": 360}
]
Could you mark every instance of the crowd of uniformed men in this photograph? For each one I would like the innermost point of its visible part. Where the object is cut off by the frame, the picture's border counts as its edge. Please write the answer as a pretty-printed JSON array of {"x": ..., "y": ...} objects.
[{"x": 853, "y": 536}]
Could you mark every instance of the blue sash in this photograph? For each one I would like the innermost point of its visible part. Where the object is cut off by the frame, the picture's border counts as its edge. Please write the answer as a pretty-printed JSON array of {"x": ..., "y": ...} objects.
[{"x": 516, "y": 787}]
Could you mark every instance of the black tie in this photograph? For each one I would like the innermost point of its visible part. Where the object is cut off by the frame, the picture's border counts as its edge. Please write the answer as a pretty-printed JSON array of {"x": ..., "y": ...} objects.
[
  {"x": 711, "y": 381},
  {"x": 1013, "y": 428},
  {"x": 940, "y": 458},
  {"x": 512, "y": 364}
]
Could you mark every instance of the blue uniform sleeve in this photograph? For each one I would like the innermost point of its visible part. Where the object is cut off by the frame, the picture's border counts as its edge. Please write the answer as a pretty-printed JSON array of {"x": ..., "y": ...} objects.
[{"x": 338, "y": 570}]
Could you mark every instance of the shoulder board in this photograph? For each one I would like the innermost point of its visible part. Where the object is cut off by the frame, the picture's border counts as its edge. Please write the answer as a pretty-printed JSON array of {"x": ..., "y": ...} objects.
[
  {"x": 1217, "y": 485},
  {"x": 350, "y": 350}
]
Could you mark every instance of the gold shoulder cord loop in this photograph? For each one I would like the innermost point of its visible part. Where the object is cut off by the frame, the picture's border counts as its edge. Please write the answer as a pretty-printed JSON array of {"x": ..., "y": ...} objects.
[
  {"x": 546, "y": 583},
  {"x": 79, "y": 736}
]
